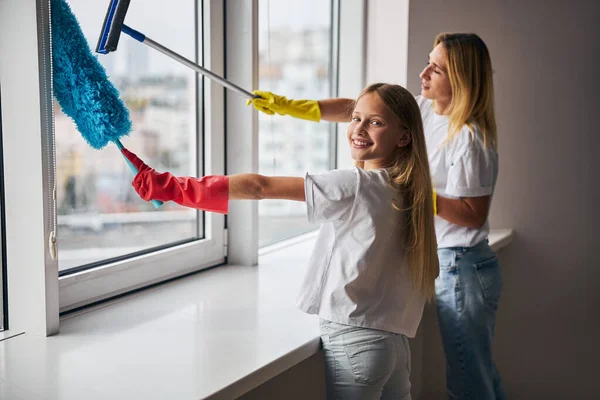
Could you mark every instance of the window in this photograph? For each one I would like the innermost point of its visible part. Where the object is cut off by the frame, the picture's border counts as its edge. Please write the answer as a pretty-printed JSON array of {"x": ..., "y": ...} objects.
[
  {"x": 100, "y": 217},
  {"x": 101, "y": 220},
  {"x": 296, "y": 60}
]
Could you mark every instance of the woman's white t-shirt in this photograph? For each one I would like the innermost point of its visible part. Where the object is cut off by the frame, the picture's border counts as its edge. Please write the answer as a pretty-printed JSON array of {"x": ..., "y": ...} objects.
[
  {"x": 462, "y": 167},
  {"x": 357, "y": 274}
]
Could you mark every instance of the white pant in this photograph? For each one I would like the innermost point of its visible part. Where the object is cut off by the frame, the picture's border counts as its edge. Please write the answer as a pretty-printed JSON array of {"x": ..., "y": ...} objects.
[{"x": 365, "y": 364}]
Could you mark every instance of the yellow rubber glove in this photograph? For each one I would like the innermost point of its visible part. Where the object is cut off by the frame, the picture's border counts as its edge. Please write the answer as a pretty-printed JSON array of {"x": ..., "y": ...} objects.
[
  {"x": 270, "y": 103},
  {"x": 434, "y": 202}
]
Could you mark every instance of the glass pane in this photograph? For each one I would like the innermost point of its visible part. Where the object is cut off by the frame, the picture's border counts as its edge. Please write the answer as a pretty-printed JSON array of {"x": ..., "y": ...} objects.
[
  {"x": 100, "y": 216},
  {"x": 295, "y": 60}
]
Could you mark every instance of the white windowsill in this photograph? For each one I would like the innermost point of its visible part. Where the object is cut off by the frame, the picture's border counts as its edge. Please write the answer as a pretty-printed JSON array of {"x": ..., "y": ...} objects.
[
  {"x": 5, "y": 335},
  {"x": 213, "y": 335}
]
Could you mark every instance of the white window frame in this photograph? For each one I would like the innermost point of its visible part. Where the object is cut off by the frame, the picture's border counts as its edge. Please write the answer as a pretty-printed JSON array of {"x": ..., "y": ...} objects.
[
  {"x": 28, "y": 181},
  {"x": 241, "y": 68},
  {"x": 3, "y": 292}
]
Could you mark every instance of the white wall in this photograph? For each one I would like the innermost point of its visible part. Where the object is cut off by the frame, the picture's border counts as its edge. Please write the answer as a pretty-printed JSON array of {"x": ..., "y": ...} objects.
[
  {"x": 387, "y": 36},
  {"x": 352, "y": 69},
  {"x": 546, "y": 57},
  {"x": 31, "y": 273}
]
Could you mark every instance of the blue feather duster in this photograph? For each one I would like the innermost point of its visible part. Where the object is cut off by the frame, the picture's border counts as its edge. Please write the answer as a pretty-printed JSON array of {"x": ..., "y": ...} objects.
[
  {"x": 81, "y": 86},
  {"x": 80, "y": 83}
]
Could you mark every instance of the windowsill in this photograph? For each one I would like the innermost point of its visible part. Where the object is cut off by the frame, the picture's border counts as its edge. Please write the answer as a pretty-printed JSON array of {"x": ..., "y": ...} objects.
[
  {"x": 5, "y": 335},
  {"x": 216, "y": 334}
]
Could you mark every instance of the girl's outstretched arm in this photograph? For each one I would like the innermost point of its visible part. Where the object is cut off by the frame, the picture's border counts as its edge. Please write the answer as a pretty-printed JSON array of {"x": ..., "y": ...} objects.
[
  {"x": 211, "y": 193},
  {"x": 259, "y": 187}
]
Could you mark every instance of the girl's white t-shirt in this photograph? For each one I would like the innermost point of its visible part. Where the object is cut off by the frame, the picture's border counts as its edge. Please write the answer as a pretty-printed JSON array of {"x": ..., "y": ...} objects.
[
  {"x": 462, "y": 167},
  {"x": 357, "y": 274}
]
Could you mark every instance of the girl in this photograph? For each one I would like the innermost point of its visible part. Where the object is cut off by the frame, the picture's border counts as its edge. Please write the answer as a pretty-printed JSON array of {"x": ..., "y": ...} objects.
[
  {"x": 457, "y": 106},
  {"x": 374, "y": 263}
]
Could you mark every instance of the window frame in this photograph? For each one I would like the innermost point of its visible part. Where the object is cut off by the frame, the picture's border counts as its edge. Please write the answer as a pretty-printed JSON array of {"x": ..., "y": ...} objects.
[
  {"x": 28, "y": 180},
  {"x": 3, "y": 286}
]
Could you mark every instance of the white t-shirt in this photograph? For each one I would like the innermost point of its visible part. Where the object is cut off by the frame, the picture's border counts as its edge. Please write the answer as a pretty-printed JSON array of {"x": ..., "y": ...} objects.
[
  {"x": 463, "y": 167},
  {"x": 357, "y": 274}
]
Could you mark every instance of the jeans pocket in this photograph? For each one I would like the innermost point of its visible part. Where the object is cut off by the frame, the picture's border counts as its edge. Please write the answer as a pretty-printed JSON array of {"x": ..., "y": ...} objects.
[
  {"x": 447, "y": 259},
  {"x": 370, "y": 361},
  {"x": 490, "y": 279}
]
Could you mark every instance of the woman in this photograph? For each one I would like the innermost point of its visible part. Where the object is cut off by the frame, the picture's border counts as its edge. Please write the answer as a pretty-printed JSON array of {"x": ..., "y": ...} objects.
[{"x": 457, "y": 108}]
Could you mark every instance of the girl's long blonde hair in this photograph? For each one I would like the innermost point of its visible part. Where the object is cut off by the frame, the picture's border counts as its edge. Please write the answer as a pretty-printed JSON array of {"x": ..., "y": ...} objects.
[
  {"x": 470, "y": 73},
  {"x": 410, "y": 177}
]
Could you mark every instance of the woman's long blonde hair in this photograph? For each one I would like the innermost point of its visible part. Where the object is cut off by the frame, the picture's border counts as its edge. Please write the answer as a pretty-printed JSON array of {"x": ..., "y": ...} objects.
[
  {"x": 470, "y": 73},
  {"x": 410, "y": 177}
]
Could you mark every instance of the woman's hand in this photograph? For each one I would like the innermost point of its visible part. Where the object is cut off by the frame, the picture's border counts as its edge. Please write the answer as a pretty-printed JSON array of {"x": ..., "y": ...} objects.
[{"x": 270, "y": 103}]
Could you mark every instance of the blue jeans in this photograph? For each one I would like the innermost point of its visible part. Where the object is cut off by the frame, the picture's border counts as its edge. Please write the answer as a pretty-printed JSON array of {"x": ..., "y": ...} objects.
[
  {"x": 467, "y": 294},
  {"x": 365, "y": 364}
]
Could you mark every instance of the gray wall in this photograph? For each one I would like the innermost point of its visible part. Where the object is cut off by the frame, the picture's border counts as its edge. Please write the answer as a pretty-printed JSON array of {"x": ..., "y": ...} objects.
[
  {"x": 546, "y": 59},
  {"x": 303, "y": 381}
]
